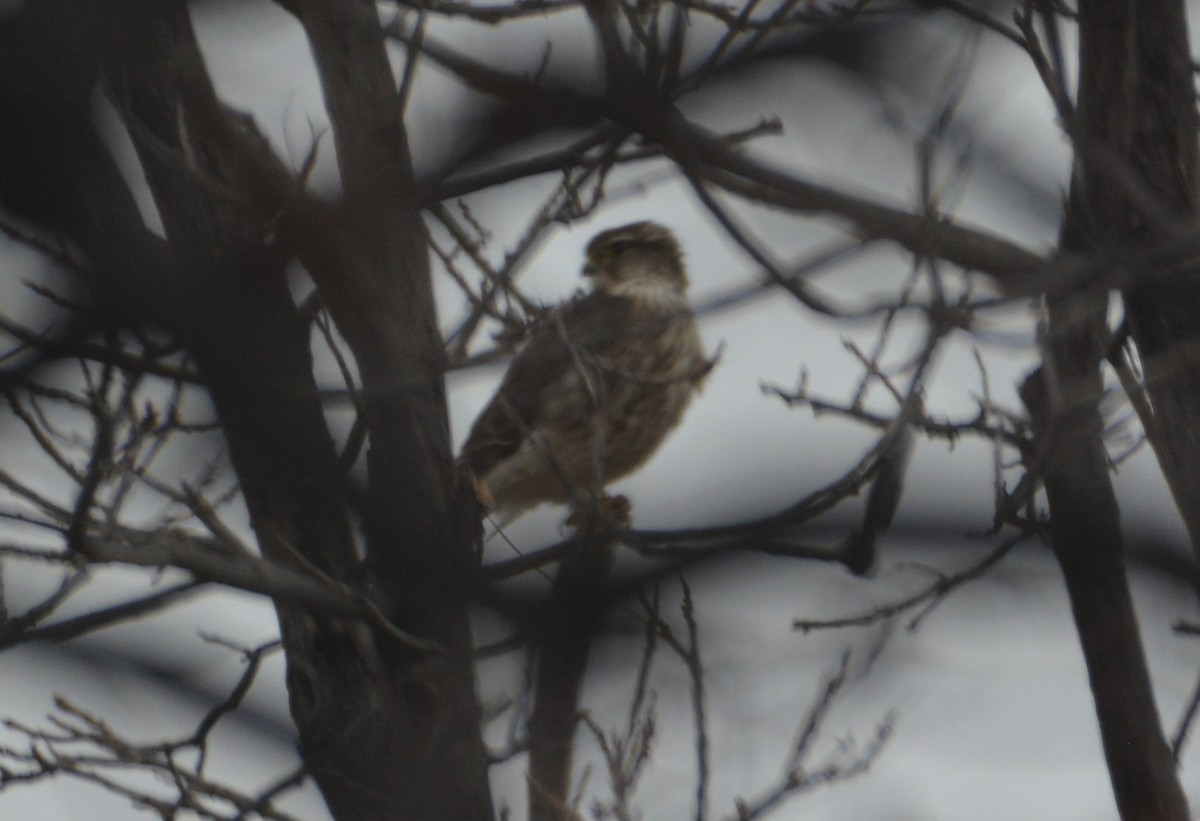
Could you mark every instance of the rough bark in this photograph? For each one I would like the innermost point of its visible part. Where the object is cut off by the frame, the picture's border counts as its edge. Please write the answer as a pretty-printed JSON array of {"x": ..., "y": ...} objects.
[
  {"x": 1085, "y": 530},
  {"x": 1137, "y": 102},
  {"x": 1063, "y": 400},
  {"x": 385, "y": 731},
  {"x": 420, "y": 541}
]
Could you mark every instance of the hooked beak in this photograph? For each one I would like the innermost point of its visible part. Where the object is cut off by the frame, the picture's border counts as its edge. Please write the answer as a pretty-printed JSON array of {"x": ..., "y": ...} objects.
[{"x": 589, "y": 268}]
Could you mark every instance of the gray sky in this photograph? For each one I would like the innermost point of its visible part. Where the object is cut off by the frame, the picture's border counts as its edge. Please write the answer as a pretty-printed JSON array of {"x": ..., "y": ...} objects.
[{"x": 994, "y": 718}]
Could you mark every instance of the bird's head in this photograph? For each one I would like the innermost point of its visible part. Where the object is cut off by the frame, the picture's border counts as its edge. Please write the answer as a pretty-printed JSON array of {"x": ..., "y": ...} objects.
[{"x": 642, "y": 259}]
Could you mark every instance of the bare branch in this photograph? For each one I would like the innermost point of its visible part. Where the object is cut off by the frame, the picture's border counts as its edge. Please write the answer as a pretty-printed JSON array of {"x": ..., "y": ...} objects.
[
  {"x": 927, "y": 599},
  {"x": 846, "y": 762}
]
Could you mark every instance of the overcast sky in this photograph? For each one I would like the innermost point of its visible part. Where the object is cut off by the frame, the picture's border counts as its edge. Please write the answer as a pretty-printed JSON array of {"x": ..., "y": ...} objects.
[{"x": 993, "y": 717}]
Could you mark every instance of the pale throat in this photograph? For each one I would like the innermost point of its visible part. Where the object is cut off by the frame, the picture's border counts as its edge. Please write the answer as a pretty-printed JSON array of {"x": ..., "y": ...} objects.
[{"x": 653, "y": 292}]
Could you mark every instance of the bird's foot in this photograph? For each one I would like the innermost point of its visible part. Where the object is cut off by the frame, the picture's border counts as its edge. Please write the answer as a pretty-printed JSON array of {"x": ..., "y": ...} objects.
[{"x": 613, "y": 511}]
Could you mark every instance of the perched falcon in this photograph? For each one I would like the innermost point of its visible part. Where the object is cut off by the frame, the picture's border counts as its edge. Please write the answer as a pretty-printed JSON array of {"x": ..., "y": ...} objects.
[{"x": 599, "y": 385}]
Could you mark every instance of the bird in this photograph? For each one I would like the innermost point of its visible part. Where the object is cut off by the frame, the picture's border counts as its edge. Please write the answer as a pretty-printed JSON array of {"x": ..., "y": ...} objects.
[{"x": 598, "y": 385}]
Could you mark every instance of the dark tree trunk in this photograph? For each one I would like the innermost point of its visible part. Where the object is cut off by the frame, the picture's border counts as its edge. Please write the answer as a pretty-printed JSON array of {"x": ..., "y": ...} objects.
[
  {"x": 1085, "y": 530},
  {"x": 1131, "y": 115},
  {"x": 386, "y": 731},
  {"x": 1164, "y": 315},
  {"x": 562, "y": 638},
  {"x": 420, "y": 549},
  {"x": 1136, "y": 130}
]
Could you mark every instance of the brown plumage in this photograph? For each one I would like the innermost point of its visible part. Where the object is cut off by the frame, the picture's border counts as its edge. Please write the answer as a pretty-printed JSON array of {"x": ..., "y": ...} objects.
[{"x": 598, "y": 386}]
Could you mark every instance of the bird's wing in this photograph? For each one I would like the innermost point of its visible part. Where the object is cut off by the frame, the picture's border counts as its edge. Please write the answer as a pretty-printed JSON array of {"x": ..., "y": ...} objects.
[{"x": 591, "y": 324}]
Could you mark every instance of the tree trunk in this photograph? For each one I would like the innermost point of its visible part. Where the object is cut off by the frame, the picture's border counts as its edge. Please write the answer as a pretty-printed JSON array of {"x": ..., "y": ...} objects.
[
  {"x": 1137, "y": 111},
  {"x": 386, "y": 732},
  {"x": 1120, "y": 76},
  {"x": 562, "y": 638},
  {"x": 420, "y": 537}
]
